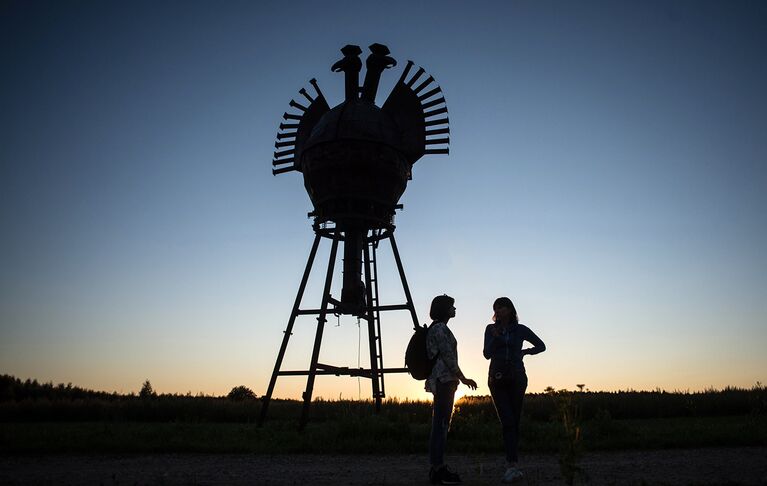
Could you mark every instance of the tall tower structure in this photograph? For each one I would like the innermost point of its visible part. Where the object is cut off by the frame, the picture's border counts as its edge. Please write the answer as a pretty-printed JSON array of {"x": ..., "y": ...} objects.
[{"x": 356, "y": 160}]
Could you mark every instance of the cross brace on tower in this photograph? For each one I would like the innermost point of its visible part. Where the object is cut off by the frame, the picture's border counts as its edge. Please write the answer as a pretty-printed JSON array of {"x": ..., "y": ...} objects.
[{"x": 369, "y": 310}]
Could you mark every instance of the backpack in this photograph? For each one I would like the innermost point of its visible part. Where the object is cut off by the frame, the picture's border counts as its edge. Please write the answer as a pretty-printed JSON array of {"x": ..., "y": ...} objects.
[{"x": 416, "y": 358}]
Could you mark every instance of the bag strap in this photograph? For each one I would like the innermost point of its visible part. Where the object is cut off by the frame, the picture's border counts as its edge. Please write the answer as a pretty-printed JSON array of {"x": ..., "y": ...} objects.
[{"x": 427, "y": 340}]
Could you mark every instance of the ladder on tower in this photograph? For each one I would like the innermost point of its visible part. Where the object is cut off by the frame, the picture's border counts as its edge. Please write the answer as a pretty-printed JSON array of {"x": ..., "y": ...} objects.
[
  {"x": 370, "y": 314},
  {"x": 374, "y": 318}
]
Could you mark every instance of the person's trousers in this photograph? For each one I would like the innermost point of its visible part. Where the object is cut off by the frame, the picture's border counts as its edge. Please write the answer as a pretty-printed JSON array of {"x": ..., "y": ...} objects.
[
  {"x": 442, "y": 410},
  {"x": 507, "y": 397}
]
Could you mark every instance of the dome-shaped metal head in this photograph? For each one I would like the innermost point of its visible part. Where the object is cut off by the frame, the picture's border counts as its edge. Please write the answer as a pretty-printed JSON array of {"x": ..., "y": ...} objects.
[{"x": 357, "y": 158}]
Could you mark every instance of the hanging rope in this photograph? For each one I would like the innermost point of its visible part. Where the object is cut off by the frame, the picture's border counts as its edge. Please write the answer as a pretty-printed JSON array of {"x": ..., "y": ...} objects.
[{"x": 359, "y": 346}]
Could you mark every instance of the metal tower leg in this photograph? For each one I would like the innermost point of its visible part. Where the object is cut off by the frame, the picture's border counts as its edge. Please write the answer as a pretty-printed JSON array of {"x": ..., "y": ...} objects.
[
  {"x": 288, "y": 331},
  {"x": 405, "y": 287},
  {"x": 318, "y": 337},
  {"x": 371, "y": 313}
]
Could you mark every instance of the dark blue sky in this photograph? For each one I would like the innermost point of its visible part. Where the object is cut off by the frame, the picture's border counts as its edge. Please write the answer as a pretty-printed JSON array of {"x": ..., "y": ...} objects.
[{"x": 607, "y": 172}]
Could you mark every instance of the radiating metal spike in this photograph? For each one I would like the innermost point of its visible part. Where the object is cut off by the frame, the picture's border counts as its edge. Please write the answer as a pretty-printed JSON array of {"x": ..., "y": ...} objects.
[
  {"x": 405, "y": 72},
  {"x": 433, "y": 103},
  {"x": 283, "y": 161},
  {"x": 290, "y": 116},
  {"x": 436, "y": 151},
  {"x": 287, "y": 126},
  {"x": 438, "y": 111},
  {"x": 282, "y": 170},
  {"x": 415, "y": 77},
  {"x": 284, "y": 144},
  {"x": 277, "y": 155},
  {"x": 306, "y": 95},
  {"x": 421, "y": 86},
  {"x": 437, "y": 131},
  {"x": 283, "y": 136},
  {"x": 434, "y": 141},
  {"x": 430, "y": 94},
  {"x": 441, "y": 121},
  {"x": 313, "y": 82},
  {"x": 297, "y": 105}
]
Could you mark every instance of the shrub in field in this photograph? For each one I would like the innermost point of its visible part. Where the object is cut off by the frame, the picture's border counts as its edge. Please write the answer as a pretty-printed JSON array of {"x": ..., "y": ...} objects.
[
  {"x": 240, "y": 393},
  {"x": 571, "y": 439},
  {"x": 758, "y": 399},
  {"x": 147, "y": 391}
]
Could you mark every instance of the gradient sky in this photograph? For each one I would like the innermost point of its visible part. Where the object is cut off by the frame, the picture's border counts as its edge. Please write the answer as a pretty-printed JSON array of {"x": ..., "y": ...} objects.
[{"x": 608, "y": 172}]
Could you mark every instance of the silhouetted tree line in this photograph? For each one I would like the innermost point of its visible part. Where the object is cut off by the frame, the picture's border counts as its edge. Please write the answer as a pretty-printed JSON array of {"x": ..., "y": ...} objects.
[
  {"x": 32, "y": 401},
  {"x": 632, "y": 404},
  {"x": 22, "y": 401},
  {"x": 12, "y": 388}
]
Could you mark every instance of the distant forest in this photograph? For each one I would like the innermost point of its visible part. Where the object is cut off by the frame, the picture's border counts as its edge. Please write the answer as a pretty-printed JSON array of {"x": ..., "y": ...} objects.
[
  {"x": 12, "y": 388},
  {"x": 15, "y": 389},
  {"x": 30, "y": 400}
]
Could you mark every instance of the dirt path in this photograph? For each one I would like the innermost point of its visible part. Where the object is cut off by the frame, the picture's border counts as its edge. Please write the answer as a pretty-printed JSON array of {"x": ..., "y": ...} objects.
[{"x": 747, "y": 465}]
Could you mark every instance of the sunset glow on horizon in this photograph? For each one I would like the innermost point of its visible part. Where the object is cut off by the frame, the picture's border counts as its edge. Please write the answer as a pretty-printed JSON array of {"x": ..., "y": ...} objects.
[{"x": 607, "y": 172}]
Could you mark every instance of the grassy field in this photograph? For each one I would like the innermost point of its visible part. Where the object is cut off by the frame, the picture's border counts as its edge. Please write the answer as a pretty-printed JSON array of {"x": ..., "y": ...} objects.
[
  {"x": 371, "y": 435},
  {"x": 40, "y": 419}
]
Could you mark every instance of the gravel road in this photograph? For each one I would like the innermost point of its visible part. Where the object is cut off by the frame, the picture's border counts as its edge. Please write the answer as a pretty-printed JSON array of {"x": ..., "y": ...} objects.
[{"x": 741, "y": 465}]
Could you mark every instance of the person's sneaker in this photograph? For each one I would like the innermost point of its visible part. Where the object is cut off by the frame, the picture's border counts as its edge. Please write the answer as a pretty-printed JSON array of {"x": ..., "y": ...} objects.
[
  {"x": 512, "y": 475},
  {"x": 443, "y": 475},
  {"x": 433, "y": 476}
]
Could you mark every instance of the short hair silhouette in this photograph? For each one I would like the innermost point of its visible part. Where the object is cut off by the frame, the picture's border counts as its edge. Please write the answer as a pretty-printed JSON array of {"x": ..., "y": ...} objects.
[{"x": 441, "y": 306}]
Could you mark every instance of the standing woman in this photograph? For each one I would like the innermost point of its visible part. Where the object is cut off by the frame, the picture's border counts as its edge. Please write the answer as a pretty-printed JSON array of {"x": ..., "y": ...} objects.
[
  {"x": 443, "y": 381},
  {"x": 507, "y": 378}
]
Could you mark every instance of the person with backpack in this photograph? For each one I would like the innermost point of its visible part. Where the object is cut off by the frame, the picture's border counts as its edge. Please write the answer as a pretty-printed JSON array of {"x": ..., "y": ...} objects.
[
  {"x": 506, "y": 377},
  {"x": 442, "y": 348}
]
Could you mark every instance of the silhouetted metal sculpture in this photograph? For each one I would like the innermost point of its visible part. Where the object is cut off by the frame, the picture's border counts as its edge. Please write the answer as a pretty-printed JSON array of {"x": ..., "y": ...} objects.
[{"x": 356, "y": 160}]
